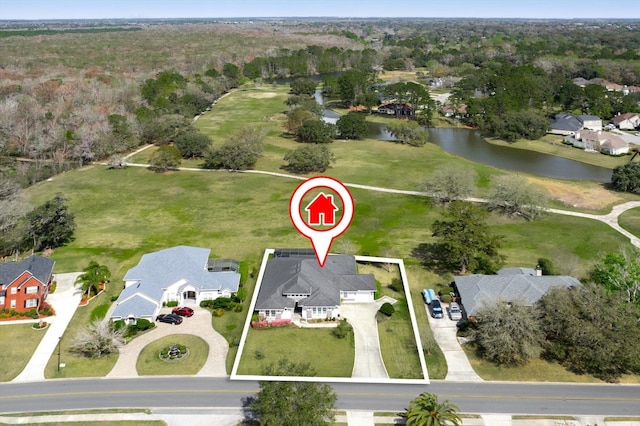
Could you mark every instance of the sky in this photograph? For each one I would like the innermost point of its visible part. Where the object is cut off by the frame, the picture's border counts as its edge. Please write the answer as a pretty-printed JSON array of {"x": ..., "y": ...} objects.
[{"x": 541, "y": 9}]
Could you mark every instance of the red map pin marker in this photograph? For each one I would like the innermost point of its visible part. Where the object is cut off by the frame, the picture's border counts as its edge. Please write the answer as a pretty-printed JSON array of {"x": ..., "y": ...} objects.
[{"x": 321, "y": 211}]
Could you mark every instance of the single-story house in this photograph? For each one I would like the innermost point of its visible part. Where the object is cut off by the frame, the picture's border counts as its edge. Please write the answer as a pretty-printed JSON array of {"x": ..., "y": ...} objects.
[
  {"x": 567, "y": 124},
  {"x": 452, "y": 111},
  {"x": 182, "y": 274},
  {"x": 25, "y": 285},
  {"x": 510, "y": 284},
  {"x": 627, "y": 121},
  {"x": 599, "y": 141},
  {"x": 294, "y": 283}
]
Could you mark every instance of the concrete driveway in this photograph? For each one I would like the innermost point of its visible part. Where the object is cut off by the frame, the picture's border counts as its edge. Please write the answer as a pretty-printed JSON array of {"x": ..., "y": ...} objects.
[
  {"x": 362, "y": 317},
  {"x": 64, "y": 301},
  {"x": 444, "y": 331},
  {"x": 199, "y": 324}
]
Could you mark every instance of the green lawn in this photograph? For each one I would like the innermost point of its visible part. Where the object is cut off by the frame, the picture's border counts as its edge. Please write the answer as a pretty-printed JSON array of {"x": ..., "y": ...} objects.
[
  {"x": 630, "y": 220},
  {"x": 149, "y": 363},
  {"x": 397, "y": 339},
  {"x": 14, "y": 358},
  {"x": 328, "y": 355},
  {"x": 537, "y": 370},
  {"x": 78, "y": 365}
]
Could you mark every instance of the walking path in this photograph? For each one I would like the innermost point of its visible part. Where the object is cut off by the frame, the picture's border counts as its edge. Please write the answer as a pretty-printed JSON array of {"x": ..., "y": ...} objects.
[
  {"x": 610, "y": 219},
  {"x": 199, "y": 324},
  {"x": 65, "y": 302}
]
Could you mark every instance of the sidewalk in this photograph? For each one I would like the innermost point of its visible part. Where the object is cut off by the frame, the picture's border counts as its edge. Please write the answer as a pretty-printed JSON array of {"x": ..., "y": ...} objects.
[{"x": 65, "y": 302}]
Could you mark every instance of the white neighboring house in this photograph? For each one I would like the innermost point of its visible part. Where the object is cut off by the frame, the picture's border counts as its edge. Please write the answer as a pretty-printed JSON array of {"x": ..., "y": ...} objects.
[
  {"x": 178, "y": 274},
  {"x": 295, "y": 283},
  {"x": 627, "y": 121},
  {"x": 599, "y": 142}
]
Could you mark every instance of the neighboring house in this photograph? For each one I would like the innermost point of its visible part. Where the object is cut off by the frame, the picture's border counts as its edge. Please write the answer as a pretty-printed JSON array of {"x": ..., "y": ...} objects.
[
  {"x": 627, "y": 121},
  {"x": 397, "y": 108},
  {"x": 599, "y": 141},
  {"x": 294, "y": 283},
  {"x": 510, "y": 284},
  {"x": 25, "y": 285},
  {"x": 567, "y": 124},
  {"x": 452, "y": 111},
  {"x": 182, "y": 274}
]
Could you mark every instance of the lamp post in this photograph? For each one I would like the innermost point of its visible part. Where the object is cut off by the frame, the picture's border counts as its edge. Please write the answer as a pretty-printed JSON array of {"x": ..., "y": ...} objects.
[{"x": 59, "y": 341}]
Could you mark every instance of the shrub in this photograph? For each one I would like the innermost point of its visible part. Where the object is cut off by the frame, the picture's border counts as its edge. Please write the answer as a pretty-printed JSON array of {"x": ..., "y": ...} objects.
[
  {"x": 117, "y": 325},
  {"x": 396, "y": 285},
  {"x": 259, "y": 353},
  {"x": 143, "y": 324},
  {"x": 237, "y": 308},
  {"x": 387, "y": 309},
  {"x": 114, "y": 298},
  {"x": 206, "y": 304},
  {"x": 225, "y": 303},
  {"x": 172, "y": 304},
  {"x": 446, "y": 298},
  {"x": 52, "y": 288},
  {"x": 342, "y": 330},
  {"x": 259, "y": 324},
  {"x": 280, "y": 322},
  {"x": 218, "y": 312},
  {"x": 131, "y": 331}
]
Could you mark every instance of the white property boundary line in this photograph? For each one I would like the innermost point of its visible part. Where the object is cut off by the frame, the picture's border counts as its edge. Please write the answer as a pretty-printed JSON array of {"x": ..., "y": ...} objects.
[{"x": 405, "y": 282}]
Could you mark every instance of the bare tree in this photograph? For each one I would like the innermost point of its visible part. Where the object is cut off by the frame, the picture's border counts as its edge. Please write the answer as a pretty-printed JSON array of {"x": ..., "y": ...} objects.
[
  {"x": 451, "y": 183},
  {"x": 97, "y": 339},
  {"x": 513, "y": 195}
]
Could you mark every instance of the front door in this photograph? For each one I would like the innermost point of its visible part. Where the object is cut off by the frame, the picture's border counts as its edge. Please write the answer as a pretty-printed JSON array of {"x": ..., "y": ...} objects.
[{"x": 189, "y": 295}]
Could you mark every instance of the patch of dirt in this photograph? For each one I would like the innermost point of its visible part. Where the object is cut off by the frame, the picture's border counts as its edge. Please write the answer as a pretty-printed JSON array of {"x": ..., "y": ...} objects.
[
  {"x": 262, "y": 95},
  {"x": 593, "y": 197}
]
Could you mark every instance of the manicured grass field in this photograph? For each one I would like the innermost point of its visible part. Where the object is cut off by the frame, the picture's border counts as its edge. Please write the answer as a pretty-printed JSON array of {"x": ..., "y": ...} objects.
[
  {"x": 328, "y": 355},
  {"x": 149, "y": 364},
  {"x": 630, "y": 220},
  {"x": 14, "y": 357}
]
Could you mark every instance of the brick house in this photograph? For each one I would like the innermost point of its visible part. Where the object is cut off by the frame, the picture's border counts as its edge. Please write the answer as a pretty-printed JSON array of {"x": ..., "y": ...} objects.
[{"x": 25, "y": 285}]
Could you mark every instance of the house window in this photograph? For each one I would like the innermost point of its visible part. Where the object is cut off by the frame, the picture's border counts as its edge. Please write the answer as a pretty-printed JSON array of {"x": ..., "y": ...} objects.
[
  {"x": 13, "y": 304},
  {"x": 31, "y": 303},
  {"x": 1, "y": 300},
  {"x": 14, "y": 290},
  {"x": 31, "y": 290}
]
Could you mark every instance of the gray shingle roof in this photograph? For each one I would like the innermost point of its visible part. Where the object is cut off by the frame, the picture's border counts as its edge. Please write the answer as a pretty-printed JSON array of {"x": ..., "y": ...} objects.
[
  {"x": 137, "y": 306},
  {"x": 567, "y": 122},
  {"x": 303, "y": 275},
  {"x": 157, "y": 271},
  {"x": 474, "y": 290},
  {"x": 40, "y": 267},
  {"x": 171, "y": 265}
]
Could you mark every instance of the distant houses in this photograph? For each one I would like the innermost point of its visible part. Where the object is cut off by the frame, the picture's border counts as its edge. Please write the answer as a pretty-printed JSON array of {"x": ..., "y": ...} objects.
[
  {"x": 627, "y": 121},
  {"x": 599, "y": 141},
  {"x": 567, "y": 124}
]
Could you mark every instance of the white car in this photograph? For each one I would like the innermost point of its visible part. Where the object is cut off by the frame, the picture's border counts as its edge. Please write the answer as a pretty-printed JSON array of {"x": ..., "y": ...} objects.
[{"x": 455, "y": 313}]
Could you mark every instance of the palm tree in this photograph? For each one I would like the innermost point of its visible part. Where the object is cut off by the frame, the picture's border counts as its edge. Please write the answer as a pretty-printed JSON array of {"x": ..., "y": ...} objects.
[
  {"x": 425, "y": 410},
  {"x": 93, "y": 275}
]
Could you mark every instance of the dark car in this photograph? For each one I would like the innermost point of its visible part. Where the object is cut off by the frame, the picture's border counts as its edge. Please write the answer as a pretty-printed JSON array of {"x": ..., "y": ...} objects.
[
  {"x": 183, "y": 311},
  {"x": 436, "y": 309},
  {"x": 169, "y": 318}
]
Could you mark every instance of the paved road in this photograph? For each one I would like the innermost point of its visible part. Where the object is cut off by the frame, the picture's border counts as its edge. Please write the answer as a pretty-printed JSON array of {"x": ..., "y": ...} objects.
[{"x": 180, "y": 391}]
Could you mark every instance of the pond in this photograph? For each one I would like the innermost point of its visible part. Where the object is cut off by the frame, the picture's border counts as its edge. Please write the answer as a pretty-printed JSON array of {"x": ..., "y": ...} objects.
[{"x": 472, "y": 146}]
